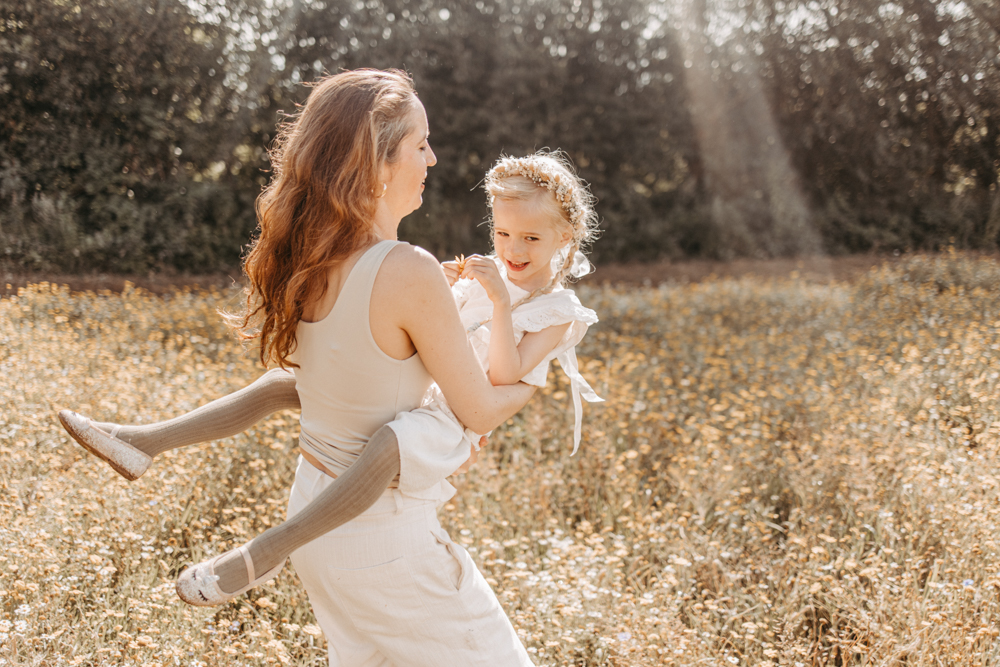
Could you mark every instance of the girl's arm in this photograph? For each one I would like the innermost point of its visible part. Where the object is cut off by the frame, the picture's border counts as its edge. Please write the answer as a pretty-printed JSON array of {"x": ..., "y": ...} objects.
[
  {"x": 411, "y": 292},
  {"x": 509, "y": 362}
]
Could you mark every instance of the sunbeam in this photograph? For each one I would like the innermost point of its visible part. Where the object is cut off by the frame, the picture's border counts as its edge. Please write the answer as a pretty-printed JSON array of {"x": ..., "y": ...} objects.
[{"x": 757, "y": 203}]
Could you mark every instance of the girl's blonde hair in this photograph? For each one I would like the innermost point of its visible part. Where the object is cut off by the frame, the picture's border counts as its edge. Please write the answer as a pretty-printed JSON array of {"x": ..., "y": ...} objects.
[
  {"x": 547, "y": 177},
  {"x": 320, "y": 205}
]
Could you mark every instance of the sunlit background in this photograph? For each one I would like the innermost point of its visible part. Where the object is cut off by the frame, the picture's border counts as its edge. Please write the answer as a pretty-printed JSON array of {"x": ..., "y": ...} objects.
[
  {"x": 133, "y": 134},
  {"x": 792, "y": 468}
]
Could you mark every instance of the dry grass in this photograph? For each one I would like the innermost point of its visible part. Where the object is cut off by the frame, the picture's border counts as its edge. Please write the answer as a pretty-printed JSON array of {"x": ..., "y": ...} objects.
[{"x": 784, "y": 473}]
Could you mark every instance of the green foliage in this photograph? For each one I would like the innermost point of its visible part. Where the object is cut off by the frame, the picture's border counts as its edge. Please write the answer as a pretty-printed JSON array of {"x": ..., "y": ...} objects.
[
  {"x": 116, "y": 139},
  {"x": 712, "y": 128},
  {"x": 892, "y": 109}
]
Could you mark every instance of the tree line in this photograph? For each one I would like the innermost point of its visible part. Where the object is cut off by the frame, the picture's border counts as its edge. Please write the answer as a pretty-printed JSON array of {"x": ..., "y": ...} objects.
[{"x": 133, "y": 135}]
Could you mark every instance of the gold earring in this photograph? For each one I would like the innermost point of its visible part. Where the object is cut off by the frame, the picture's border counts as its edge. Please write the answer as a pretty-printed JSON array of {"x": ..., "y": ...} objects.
[{"x": 385, "y": 186}]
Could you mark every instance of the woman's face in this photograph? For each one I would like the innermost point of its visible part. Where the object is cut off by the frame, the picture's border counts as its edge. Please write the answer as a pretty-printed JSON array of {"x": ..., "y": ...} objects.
[{"x": 404, "y": 186}]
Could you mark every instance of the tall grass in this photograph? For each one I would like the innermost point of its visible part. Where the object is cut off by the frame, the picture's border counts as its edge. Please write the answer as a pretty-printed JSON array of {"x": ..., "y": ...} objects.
[{"x": 783, "y": 473}]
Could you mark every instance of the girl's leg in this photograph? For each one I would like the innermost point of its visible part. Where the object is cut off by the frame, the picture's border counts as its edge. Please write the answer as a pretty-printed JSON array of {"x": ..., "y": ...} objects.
[
  {"x": 354, "y": 491},
  {"x": 222, "y": 418}
]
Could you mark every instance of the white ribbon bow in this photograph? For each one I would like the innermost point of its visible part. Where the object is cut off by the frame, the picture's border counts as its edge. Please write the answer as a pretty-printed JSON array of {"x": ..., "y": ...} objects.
[{"x": 581, "y": 265}]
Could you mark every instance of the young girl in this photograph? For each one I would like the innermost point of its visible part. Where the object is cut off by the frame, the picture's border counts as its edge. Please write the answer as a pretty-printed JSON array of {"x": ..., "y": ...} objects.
[{"x": 518, "y": 315}]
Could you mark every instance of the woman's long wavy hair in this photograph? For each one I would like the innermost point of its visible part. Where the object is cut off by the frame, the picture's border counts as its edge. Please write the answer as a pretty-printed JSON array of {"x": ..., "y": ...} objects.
[{"x": 320, "y": 204}]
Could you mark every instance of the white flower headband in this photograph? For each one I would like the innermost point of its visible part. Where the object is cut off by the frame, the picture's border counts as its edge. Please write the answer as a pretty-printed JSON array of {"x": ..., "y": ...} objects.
[{"x": 538, "y": 173}]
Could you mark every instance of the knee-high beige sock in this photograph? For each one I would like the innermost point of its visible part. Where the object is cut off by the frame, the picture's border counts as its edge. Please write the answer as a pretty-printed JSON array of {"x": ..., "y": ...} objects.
[
  {"x": 222, "y": 418},
  {"x": 354, "y": 491}
]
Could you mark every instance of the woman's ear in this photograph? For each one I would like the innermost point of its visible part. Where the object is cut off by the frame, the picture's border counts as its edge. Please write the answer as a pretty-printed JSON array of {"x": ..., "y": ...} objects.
[{"x": 384, "y": 176}]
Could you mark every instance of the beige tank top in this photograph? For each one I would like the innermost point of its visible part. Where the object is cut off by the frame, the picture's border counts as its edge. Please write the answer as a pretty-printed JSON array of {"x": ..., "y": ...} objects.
[{"x": 347, "y": 385}]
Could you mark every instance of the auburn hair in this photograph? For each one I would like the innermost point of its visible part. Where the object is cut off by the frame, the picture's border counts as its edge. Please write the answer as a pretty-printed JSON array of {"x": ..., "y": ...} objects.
[{"x": 320, "y": 204}]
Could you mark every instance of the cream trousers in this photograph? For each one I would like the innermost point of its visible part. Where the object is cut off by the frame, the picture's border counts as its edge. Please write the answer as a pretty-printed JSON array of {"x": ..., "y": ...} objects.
[{"x": 391, "y": 589}]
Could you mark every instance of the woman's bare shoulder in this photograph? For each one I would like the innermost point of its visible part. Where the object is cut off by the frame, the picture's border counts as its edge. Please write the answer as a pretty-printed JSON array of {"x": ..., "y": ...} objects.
[
  {"x": 411, "y": 302},
  {"x": 414, "y": 254},
  {"x": 411, "y": 266}
]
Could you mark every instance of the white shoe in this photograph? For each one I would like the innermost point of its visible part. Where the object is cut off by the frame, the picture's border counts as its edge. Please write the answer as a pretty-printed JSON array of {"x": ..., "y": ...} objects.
[
  {"x": 197, "y": 585},
  {"x": 127, "y": 461}
]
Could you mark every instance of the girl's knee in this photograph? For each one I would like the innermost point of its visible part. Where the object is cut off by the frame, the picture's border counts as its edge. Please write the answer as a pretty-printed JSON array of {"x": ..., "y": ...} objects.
[
  {"x": 385, "y": 436},
  {"x": 280, "y": 374}
]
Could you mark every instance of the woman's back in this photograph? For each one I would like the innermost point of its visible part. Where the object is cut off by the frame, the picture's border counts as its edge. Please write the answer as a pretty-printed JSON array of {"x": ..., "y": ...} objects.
[{"x": 347, "y": 384}]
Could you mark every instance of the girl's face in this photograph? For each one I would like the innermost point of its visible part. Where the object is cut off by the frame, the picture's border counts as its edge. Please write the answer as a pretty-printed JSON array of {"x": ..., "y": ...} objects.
[
  {"x": 525, "y": 239},
  {"x": 404, "y": 179}
]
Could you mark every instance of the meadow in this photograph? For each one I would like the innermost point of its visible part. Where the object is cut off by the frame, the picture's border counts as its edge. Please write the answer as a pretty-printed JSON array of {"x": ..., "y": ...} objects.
[{"x": 784, "y": 473}]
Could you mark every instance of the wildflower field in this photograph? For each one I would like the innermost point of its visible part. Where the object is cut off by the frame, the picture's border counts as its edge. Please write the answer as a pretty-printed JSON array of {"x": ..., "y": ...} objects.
[{"x": 784, "y": 473}]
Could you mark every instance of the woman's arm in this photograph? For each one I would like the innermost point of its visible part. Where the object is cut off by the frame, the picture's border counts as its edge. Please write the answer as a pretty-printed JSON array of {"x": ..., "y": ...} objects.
[{"x": 411, "y": 293}]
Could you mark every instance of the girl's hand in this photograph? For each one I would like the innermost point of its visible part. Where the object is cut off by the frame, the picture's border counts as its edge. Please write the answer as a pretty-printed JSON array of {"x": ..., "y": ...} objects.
[
  {"x": 452, "y": 271},
  {"x": 486, "y": 272}
]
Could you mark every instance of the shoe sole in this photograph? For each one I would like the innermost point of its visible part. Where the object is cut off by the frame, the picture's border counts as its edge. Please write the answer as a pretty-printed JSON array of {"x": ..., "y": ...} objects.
[{"x": 94, "y": 449}]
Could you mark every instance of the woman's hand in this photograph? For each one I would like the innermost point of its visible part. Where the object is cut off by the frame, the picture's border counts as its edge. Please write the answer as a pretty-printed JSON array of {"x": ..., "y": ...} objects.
[
  {"x": 486, "y": 272},
  {"x": 473, "y": 456}
]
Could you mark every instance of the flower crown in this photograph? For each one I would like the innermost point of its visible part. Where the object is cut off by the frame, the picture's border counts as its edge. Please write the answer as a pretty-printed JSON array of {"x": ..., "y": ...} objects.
[{"x": 542, "y": 175}]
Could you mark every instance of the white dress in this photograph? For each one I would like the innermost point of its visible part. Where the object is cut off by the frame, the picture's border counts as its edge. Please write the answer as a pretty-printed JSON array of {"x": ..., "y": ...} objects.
[
  {"x": 433, "y": 443},
  {"x": 389, "y": 588}
]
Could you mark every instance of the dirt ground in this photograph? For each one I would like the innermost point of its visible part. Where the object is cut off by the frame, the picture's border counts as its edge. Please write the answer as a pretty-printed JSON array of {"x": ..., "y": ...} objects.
[{"x": 810, "y": 269}]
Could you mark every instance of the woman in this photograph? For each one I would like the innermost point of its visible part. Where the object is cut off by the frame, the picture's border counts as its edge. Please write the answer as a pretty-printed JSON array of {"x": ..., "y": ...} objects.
[{"x": 332, "y": 292}]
